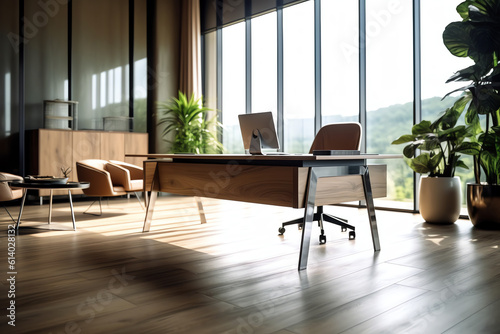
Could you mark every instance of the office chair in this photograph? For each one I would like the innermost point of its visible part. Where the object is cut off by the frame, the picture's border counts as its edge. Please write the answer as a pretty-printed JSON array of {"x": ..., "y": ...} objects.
[
  {"x": 108, "y": 179},
  {"x": 337, "y": 136},
  {"x": 8, "y": 193}
]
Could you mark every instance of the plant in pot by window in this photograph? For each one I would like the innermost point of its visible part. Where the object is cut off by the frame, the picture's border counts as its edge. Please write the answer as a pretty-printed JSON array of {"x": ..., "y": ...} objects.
[
  {"x": 477, "y": 36},
  {"x": 188, "y": 123},
  {"x": 440, "y": 144}
]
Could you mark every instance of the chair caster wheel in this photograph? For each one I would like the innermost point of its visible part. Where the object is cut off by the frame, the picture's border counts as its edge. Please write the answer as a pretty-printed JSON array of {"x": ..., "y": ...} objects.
[
  {"x": 281, "y": 230},
  {"x": 352, "y": 235},
  {"x": 343, "y": 229},
  {"x": 322, "y": 239}
]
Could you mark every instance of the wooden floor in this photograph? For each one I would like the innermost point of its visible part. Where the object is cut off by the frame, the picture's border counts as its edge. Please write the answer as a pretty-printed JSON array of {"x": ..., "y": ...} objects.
[{"x": 235, "y": 274}]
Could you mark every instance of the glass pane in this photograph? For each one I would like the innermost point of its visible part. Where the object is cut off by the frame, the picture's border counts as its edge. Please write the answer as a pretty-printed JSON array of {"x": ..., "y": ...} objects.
[
  {"x": 438, "y": 64},
  {"x": 9, "y": 87},
  {"x": 210, "y": 97},
  {"x": 140, "y": 67},
  {"x": 339, "y": 62},
  {"x": 46, "y": 60},
  {"x": 100, "y": 61},
  {"x": 389, "y": 89},
  {"x": 298, "y": 86},
  {"x": 264, "y": 64},
  {"x": 233, "y": 85}
]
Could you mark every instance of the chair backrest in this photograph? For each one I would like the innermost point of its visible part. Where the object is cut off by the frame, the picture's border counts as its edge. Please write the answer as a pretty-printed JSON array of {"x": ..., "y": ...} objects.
[{"x": 338, "y": 136}]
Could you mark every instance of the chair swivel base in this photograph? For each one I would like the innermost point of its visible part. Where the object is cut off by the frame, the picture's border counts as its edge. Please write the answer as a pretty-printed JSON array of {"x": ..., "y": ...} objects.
[{"x": 320, "y": 217}]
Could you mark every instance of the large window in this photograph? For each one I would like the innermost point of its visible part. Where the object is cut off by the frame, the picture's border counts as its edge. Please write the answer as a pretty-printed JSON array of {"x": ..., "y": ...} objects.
[
  {"x": 339, "y": 62},
  {"x": 298, "y": 85},
  {"x": 389, "y": 90},
  {"x": 264, "y": 64},
  {"x": 380, "y": 75},
  {"x": 233, "y": 85}
]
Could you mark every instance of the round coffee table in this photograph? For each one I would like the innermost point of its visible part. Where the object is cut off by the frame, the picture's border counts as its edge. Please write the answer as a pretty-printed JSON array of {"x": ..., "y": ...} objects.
[{"x": 51, "y": 186}]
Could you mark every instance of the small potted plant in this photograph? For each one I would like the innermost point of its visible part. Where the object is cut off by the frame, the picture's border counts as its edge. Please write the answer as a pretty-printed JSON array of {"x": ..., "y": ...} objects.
[
  {"x": 440, "y": 144},
  {"x": 188, "y": 123},
  {"x": 65, "y": 172},
  {"x": 477, "y": 36}
]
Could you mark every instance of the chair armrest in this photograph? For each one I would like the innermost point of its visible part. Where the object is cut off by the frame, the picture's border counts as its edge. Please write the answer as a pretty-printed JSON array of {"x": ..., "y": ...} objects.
[
  {"x": 136, "y": 172},
  {"x": 119, "y": 175},
  {"x": 4, "y": 176}
]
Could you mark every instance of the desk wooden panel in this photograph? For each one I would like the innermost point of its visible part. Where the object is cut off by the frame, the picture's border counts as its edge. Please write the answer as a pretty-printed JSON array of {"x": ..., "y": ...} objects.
[{"x": 274, "y": 185}]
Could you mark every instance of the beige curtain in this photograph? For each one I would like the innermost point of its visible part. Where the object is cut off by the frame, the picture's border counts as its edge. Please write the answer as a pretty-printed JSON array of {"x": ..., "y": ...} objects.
[{"x": 190, "y": 50}]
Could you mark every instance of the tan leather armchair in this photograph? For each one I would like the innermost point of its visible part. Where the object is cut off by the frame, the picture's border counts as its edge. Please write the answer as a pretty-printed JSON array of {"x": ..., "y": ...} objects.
[
  {"x": 8, "y": 193},
  {"x": 109, "y": 179}
]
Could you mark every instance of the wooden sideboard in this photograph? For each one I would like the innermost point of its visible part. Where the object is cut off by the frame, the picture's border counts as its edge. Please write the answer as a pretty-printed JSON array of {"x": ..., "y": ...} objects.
[{"x": 49, "y": 150}]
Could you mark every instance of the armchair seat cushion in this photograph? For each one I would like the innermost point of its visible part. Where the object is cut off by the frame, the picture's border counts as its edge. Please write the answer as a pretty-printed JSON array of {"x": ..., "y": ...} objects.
[{"x": 136, "y": 185}]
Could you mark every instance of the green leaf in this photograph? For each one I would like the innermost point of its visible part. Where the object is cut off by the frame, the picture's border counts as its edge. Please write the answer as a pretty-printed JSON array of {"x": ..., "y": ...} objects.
[
  {"x": 461, "y": 164},
  {"x": 456, "y": 38},
  {"x": 404, "y": 139},
  {"x": 471, "y": 148},
  {"x": 421, "y": 128},
  {"x": 409, "y": 151}
]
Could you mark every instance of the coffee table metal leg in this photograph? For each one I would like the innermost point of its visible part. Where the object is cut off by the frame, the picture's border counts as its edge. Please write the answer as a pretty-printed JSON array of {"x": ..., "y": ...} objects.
[
  {"x": 21, "y": 209},
  {"x": 50, "y": 206},
  {"x": 72, "y": 211}
]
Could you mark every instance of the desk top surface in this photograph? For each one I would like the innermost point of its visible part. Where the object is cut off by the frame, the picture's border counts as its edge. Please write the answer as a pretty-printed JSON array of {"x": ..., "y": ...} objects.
[
  {"x": 297, "y": 160},
  {"x": 268, "y": 157}
]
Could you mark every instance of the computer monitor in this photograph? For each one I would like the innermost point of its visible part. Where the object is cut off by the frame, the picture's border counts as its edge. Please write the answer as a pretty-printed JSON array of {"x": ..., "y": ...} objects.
[{"x": 258, "y": 132}]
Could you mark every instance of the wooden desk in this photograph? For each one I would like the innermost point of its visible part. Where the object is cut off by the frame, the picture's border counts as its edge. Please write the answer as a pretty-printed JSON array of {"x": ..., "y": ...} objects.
[{"x": 284, "y": 180}]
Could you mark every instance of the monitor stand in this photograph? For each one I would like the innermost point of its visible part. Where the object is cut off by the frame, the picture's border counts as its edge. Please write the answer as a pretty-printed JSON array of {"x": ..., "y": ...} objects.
[{"x": 255, "y": 143}]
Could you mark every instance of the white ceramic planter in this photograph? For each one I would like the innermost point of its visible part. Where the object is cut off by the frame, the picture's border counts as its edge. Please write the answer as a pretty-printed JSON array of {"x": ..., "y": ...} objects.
[{"x": 440, "y": 199}]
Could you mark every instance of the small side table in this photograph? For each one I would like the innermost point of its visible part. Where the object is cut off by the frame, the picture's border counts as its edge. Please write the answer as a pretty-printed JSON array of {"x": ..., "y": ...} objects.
[{"x": 51, "y": 186}]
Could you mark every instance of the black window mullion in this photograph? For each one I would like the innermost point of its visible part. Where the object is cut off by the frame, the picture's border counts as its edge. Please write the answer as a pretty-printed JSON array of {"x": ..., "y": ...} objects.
[
  {"x": 362, "y": 71},
  {"x": 417, "y": 84},
  {"x": 280, "y": 99},
  {"x": 317, "y": 65},
  {"x": 248, "y": 57}
]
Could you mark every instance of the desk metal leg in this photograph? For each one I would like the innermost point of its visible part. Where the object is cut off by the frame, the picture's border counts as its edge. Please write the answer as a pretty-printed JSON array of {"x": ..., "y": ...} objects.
[
  {"x": 308, "y": 219},
  {"x": 155, "y": 187},
  {"x": 21, "y": 209},
  {"x": 72, "y": 211},
  {"x": 370, "y": 208},
  {"x": 201, "y": 211},
  {"x": 50, "y": 206}
]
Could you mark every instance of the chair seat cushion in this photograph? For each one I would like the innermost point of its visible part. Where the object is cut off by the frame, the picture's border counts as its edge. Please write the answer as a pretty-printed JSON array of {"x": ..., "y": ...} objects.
[
  {"x": 136, "y": 185},
  {"x": 119, "y": 190}
]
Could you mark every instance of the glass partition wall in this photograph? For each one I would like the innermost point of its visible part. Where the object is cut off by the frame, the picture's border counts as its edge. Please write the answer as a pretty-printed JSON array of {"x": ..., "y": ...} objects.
[{"x": 379, "y": 62}]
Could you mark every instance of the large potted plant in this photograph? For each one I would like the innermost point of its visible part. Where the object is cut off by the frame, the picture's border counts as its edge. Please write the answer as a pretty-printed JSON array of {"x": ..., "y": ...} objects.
[
  {"x": 477, "y": 36},
  {"x": 188, "y": 126},
  {"x": 440, "y": 143}
]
